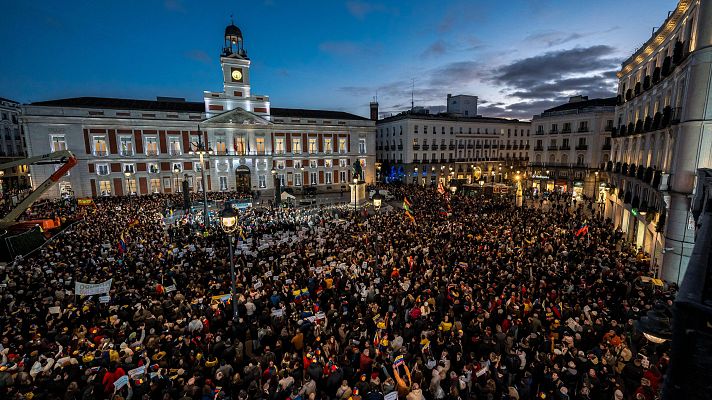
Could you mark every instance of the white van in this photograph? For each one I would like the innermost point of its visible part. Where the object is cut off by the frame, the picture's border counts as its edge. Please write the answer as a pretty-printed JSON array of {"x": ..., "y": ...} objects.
[{"x": 385, "y": 193}]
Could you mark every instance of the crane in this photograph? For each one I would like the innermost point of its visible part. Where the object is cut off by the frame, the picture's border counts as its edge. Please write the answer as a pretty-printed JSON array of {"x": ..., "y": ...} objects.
[{"x": 58, "y": 157}]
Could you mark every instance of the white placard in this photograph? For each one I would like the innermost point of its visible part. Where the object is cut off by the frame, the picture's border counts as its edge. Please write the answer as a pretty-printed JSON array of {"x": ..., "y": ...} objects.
[
  {"x": 55, "y": 310},
  {"x": 104, "y": 299},
  {"x": 89, "y": 289},
  {"x": 121, "y": 382},
  {"x": 258, "y": 284},
  {"x": 137, "y": 371},
  {"x": 391, "y": 396},
  {"x": 171, "y": 288}
]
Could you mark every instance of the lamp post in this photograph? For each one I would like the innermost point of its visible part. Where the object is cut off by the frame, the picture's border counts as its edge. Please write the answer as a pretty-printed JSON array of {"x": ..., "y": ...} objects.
[
  {"x": 127, "y": 174},
  {"x": 355, "y": 194},
  {"x": 228, "y": 223},
  {"x": 202, "y": 150},
  {"x": 277, "y": 187},
  {"x": 416, "y": 175},
  {"x": 377, "y": 202}
]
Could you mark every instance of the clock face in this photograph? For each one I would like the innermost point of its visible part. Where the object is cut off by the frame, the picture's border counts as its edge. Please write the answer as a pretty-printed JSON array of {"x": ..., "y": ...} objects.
[{"x": 236, "y": 75}]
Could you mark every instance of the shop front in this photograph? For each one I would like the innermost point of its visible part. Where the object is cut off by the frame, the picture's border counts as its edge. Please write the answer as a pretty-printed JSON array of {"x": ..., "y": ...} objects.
[{"x": 577, "y": 192}]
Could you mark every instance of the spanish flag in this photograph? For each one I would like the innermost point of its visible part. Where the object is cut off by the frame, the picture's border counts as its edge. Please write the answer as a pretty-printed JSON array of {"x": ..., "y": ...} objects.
[
  {"x": 409, "y": 215},
  {"x": 407, "y": 204}
]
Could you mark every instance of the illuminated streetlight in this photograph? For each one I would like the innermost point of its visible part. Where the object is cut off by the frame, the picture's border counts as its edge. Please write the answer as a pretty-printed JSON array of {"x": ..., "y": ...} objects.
[{"x": 228, "y": 223}]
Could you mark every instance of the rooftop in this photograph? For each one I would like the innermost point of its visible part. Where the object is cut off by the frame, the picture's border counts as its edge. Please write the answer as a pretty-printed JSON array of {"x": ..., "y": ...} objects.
[
  {"x": 583, "y": 104},
  {"x": 445, "y": 117},
  {"x": 180, "y": 105}
]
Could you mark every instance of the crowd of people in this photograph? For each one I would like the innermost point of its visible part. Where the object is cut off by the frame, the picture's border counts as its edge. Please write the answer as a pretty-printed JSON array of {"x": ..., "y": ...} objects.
[{"x": 473, "y": 299}]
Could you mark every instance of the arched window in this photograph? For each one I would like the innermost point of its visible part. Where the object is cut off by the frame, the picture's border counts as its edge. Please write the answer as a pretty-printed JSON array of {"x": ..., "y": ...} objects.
[{"x": 579, "y": 159}]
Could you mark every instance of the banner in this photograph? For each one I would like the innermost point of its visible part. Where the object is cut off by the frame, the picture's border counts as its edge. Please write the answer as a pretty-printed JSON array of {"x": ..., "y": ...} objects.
[
  {"x": 85, "y": 202},
  {"x": 121, "y": 382},
  {"x": 89, "y": 289}
]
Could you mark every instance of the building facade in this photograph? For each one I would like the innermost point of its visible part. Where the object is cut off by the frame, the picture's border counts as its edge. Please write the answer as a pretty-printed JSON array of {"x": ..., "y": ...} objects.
[
  {"x": 127, "y": 146},
  {"x": 426, "y": 149},
  {"x": 663, "y": 134},
  {"x": 462, "y": 105},
  {"x": 569, "y": 145},
  {"x": 12, "y": 146}
]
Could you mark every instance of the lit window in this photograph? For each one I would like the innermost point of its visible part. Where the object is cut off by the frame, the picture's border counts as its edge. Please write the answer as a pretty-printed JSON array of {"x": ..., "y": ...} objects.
[
  {"x": 297, "y": 146},
  {"x": 151, "y": 146},
  {"x": 126, "y": 145},
  {"x": 312, "y": 146},
  {"x": 174, "y": 146},
  {"x": 58, "y": 143},
  {"x": 100, "y": 146}
]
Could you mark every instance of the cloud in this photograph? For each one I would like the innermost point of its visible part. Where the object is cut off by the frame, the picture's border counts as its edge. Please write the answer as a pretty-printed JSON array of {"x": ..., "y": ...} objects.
[
  {"x": 198, "y": 55},
  {"x": 554, "y": 65},
  {"x": 437, "y": 48},
  {"x": 551, "y": 38},
  {"x": 521, "y": 110},
  {"x": 360, "y": 9},
  {"x": 174, "y": 5},
  {"x": 456, "y": 74}
]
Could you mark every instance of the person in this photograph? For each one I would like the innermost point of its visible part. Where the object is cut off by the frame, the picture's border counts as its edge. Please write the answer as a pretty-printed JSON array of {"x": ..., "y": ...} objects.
[{"x": 471, "y": 304}]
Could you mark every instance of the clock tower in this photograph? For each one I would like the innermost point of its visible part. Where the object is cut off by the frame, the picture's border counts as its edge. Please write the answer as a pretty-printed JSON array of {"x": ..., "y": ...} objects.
[{"x": 236, "y": 93}]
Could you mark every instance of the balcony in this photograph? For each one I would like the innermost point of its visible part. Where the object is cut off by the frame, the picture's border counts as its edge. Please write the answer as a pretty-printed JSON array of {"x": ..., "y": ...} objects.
[
  {"x": 416, "y": 147},
  {"x": 539, "y": 132},
  {"x": 443, "y": 161},
  {"x": 400, "y": 147},
  {"x": 538, "y": 148},
  {"x": 553, "y": 131},
  {"x": 426, "y": 147},
  {"x": 608, "y": 128},
  {"x": 379, "y": 148},
  {"x": 470, "y": 146},
  {"x": 565, "y": 130},
  {"x": 487, "y": 146},
  {"x": 582, "y": 147},
  {"x": 565, "y": 147},
  {"x": 478, "y": 146},
  {"x": 101, "y": 153},
  {"x": 461, "y": 146},
  {"x": 515, "y": 147},
  {"x": 583, "y": 129},
  {"x": 552, "y": 147},
  {"x": 416, "y": 161},
  {"x": 452, "y": 147},
  {"x": 501, "y": 147},
  {"x": 606, "y": 146}
]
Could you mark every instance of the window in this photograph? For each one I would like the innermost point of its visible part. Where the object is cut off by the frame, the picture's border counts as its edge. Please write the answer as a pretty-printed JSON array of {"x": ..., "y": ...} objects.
[
  {"x": 177, "y": 167},
  {"x": 166, "y": 182},
  {"x": 328, "y": 163},
  {"x": 128, "y": 167},
  {"x": 312, "y": 146},
  {"x": 280, "y": 164},
  {"x": 579, "y": 159},
  {"x": 240, "y": 148},
  {"x": 260, "y": 143},
  {"x": 131, "y": 186},
  {"x": 342, "y": 162},
  {"x": 312, "y": 178},
  {"x": 155, "y": 185},
  {"x": 151, "y": 146},
  {"x": 105, "y": 188},
  {"x": 297, "y": 164},
  {"x": 223, "y": 183},
  {"x": 126, "y": 145},
  {"x": 425, "y": 129},
  {"x": 153, "y": 168},
  {"x": 100, "y": 146},
  {"x": 312, "y": 163},
  {"x": 173, "y": 146},
  {"x": 298, "y": 179},
  {"x": 342, "y": 145},
  {"x": 328, "y": 145},
  {"x": 297, "y": 146},
  {"x": 220, "y": 145},
  {"x": 583, "y": 126},
  {"x": 582, "y": 141},
  {"x": 57, "y": 143},
  {"x": 327, "y": 177},
  {"x": 279, "y": 145},
  {"x": 415, "y": 129},
  {"x": 362, "y": 146},
  {"x": 102, "y": 169}
]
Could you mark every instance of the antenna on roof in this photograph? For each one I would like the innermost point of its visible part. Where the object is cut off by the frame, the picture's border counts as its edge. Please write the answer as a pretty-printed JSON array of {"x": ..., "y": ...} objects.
[
  {"x": 232, "y": 22},
  {"x": 412, "y": 90}
]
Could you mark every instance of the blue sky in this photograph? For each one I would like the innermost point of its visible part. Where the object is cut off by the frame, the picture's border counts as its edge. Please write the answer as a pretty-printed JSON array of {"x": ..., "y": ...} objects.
[{"x": 518, "y": 56}]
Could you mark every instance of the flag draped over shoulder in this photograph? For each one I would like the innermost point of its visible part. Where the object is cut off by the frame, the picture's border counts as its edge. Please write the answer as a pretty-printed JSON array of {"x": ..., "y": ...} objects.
[
  {"x": 441, "y": 188},
  {"x": 408, "y": 210},
  {"x": 122, "y": 244}
]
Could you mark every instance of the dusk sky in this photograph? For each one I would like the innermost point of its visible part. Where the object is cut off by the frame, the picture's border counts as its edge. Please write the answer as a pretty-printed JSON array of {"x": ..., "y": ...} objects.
[{"x": 518, "y": 56}]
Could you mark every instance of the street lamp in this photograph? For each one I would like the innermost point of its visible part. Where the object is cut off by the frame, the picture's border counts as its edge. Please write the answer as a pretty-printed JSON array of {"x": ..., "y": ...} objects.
[
  {"x": 202, "y": 150},
  {"x": 355, "y": 195},
  {"x": 228, "y": 223},
  {"x": 277, "y": 187},
  {"x": 127, "y": 174},
  {"x": 377, "y": 200},
  {"x": 453, "y": 188},
  {"x": 416, "y": 175}
]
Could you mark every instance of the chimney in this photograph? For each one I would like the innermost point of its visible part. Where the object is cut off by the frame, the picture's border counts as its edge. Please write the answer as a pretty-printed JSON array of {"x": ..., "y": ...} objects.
[{"x": 374, "y": 111}]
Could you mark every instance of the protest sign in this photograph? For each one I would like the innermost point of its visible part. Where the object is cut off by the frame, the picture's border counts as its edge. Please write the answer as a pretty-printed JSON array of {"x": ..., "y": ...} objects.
[
  {"x": 89, "y": 289},
  {"x": 121, "y": 382}
]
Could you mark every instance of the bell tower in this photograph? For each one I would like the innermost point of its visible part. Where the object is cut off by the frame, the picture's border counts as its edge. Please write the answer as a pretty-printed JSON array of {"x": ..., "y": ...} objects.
[{"x": 235, "y": 65}]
